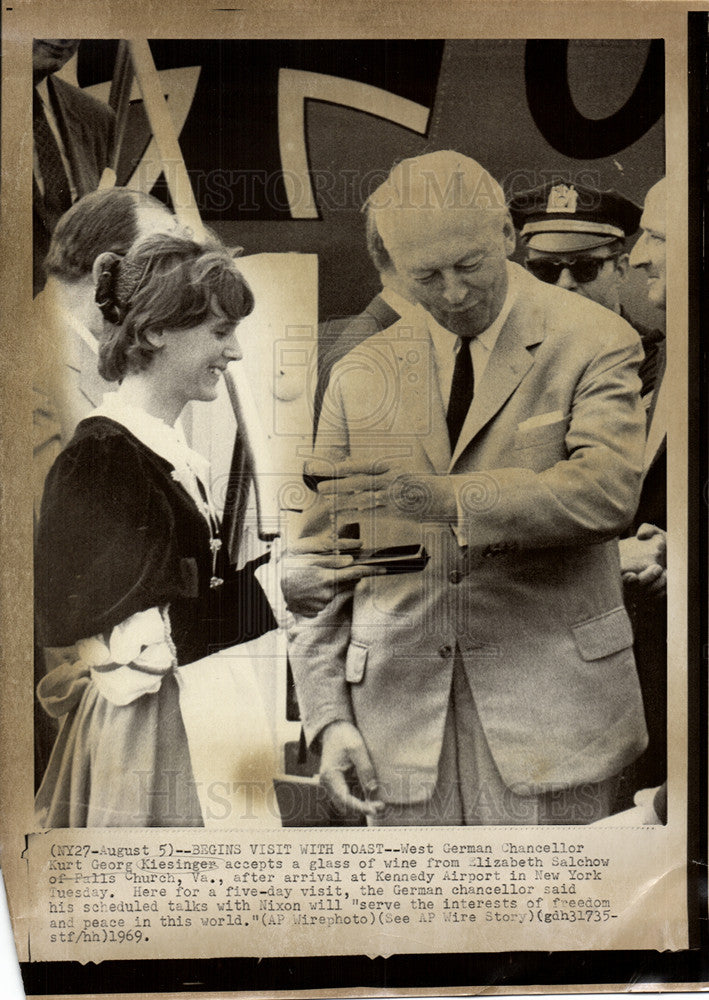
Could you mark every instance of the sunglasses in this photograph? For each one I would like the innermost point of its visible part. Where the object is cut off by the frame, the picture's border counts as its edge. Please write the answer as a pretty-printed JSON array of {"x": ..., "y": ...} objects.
[{"x": 582, "y": 269}]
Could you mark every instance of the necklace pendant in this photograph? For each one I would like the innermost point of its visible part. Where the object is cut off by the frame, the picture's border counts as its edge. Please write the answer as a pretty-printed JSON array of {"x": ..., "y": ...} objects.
[
  {"x": 215, "y": 544},
  {"x": 215, "y": 582}
]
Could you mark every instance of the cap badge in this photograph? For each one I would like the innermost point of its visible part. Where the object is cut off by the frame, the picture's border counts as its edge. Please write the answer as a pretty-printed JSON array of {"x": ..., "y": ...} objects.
[{"x": 562, "y": 198}]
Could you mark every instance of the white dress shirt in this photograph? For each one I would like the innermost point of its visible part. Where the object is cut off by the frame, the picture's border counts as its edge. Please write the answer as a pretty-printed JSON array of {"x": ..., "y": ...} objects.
[
  {"x": 445, "y": 348},
  {"x": 42, "y": 89},
  {"x": 446, "y": 344}
]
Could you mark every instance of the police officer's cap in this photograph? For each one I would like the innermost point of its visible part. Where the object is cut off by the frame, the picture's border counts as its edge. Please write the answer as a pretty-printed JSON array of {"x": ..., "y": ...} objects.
[{"x": 566, "y": 217}]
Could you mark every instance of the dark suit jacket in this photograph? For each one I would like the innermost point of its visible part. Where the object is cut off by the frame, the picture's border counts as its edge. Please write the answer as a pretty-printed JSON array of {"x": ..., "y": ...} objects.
[
  {"x": 86, "y": 127},
  {"x": 653, "y": 497},
  {"x": 653, "y": 345},
  {"x": 648, "y": 615}
]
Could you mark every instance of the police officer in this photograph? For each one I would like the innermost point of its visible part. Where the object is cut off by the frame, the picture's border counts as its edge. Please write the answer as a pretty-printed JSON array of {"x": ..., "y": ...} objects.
[{"x": 574, "y": 237}]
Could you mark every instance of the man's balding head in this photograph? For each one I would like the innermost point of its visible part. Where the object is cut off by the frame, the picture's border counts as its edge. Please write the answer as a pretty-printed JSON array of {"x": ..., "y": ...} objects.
[
  {"x": 102, "y": 221},
  {"x": 424, "y": 185},
  {"x": 440, "y": 221}
]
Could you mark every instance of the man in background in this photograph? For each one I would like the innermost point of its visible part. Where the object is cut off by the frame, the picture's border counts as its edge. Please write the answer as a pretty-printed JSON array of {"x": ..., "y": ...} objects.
[
  {"x": 575, "y": 237},
  {"x": 68, "y": 323},
  {"x": 73, "y": 139},
  {"x": 643, "y": 554}
]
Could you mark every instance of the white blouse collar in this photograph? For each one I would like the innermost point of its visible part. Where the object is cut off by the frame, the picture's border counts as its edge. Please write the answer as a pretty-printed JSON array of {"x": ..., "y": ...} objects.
[{"x": 167, "y": 442}]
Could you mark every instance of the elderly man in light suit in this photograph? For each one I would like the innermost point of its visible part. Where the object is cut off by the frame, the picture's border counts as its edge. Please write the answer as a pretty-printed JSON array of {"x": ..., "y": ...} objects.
[{"x": 502, "y": 426}]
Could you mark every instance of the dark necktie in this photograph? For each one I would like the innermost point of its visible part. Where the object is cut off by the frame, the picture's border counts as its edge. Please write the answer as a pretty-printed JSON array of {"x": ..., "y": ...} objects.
[
  {"x": 57, "y": 196},
  {"x": 461, "y": 395}
]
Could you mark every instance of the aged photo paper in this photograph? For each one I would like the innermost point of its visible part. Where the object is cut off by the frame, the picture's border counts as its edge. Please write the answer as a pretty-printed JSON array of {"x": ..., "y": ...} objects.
[{"x": 179, "y": 815}]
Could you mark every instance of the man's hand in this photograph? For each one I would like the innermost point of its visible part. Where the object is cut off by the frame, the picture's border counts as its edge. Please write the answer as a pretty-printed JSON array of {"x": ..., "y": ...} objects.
[
  {"x": 311, "y": 574},
  {"x": 355, "y": 485},
  {"x": 343, "y": 749},
  {"x": 643, "y": 560}
]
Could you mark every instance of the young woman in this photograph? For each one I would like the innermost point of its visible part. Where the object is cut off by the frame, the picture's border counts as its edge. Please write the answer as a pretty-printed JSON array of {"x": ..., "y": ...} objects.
[{"x": 132, "y": 581}]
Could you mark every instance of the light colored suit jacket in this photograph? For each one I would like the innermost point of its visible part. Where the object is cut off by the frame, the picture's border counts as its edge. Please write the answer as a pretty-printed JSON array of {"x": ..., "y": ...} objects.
[
  {"x": 337, "y": 338},
  {"x": 67, "y": 385},
  {"x": 66, "y": 363},
  {"x": 546, "y": 473}
]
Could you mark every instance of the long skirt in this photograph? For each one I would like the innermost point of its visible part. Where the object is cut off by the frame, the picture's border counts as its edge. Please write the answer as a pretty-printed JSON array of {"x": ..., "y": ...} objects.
[
  {"x": 198, "y": 752},
  {"x": 119, "y": 765}
]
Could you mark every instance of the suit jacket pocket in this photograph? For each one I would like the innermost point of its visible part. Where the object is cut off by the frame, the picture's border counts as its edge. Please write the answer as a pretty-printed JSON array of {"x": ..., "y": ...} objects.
[
  {"x": 356, "y": 662},
  {"x": 604, "y": 635},
  {"x": 545, "y": 434}
]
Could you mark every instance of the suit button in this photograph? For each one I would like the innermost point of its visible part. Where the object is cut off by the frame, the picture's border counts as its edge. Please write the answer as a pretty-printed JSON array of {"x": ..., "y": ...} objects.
[
  {"x": 445, "y": 652},
  {"x": 455, "y": 576}
]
